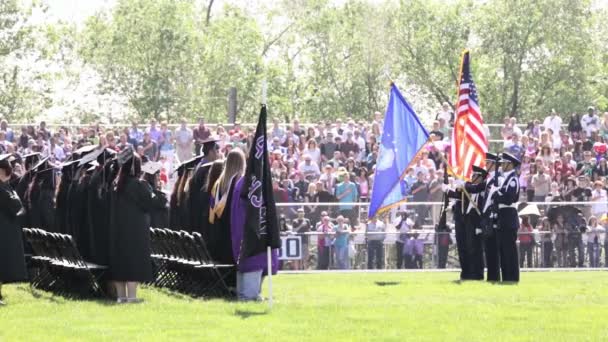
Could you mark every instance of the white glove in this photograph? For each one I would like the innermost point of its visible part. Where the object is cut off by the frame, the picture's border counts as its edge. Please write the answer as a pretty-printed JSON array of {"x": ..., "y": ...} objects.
[
  {"x": 478, "y": 231},
  {"x": 445, "y": 187},
  {"x": 459, "y": 183}
]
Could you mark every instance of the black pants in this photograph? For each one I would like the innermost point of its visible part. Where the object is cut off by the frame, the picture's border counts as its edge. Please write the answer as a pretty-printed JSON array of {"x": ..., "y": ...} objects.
[
  {"x": 417, "y": 261},
  {"x": 507, "y": 246},
  {"x": 408, "y": 261},
  {"x": 547, "y": 253},
  {"x": 400, "y": 259},
  {"x": 473, "y": 248},
  {"x": 491, "y": 256},
  {"x": 462, "y": 251},
  {"x": 442, "y": 255},
  {"x": 323, "y": 258},
  {"x": 576, "y": 251},
  {"x": 525, "y": 253},
  {"x": 375, "y": 255}
]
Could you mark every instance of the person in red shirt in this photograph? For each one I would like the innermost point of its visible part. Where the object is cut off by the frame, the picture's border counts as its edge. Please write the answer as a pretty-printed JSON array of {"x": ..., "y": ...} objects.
[{"x": 526, "y": 242}]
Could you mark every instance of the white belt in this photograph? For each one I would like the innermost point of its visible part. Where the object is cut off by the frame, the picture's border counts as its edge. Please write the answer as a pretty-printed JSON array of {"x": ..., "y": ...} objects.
[{"x": 503, "y": 206}]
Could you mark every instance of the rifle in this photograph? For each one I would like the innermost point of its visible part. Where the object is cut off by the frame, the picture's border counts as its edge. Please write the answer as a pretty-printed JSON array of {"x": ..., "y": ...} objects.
[{"x": 491, "y": 223}]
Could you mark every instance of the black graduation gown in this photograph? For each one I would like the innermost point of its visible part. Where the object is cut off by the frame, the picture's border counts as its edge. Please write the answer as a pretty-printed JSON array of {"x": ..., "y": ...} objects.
[
  {"x": 129, "y": 253},
  {"x": 174, "y": 221},
  {"x": 12, "y": 260},
  {"x": 219, "y": 239},
  {"x": 72, "y": 209},
  {"x": 43, "y": 205},
  {"x": 80, "y": 217},
  {"x": 61, "y": 204},
  {"x": 198, "y": 200},
  {"x": 98, "y": 219},
  {"x": 159, "y": 218}
]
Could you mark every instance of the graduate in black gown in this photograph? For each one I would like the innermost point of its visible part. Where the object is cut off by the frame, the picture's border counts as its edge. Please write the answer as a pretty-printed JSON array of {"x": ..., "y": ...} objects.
[
  {"x": 159, "y": 218},
  {"x": 174, "y": 215},
  {"x": 131, "y": 204},
  {"x": 12, "y": 259},
  {"x": 180, "y": 208},
  {"x": 98, "y": 203},
  {"x": 197, "y": 196},
  {"x": 220, "y": 239},
  {"x": 68, "y": 169},
  {"x": 41, "y": 196},
  {"x": 214, "y": 173}
]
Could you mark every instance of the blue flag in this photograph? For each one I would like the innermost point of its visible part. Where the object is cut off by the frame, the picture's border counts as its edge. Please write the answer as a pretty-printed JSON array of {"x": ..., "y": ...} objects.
[{"x": 402, "y": 138}]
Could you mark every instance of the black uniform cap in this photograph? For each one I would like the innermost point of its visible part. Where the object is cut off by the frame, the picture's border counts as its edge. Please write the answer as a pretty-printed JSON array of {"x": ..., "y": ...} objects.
[{"x": 509, "y": 158}]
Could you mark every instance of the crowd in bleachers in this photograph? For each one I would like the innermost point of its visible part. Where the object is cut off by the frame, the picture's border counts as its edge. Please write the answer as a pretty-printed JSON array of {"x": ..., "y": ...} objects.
[{"x": 563, "y": 159}]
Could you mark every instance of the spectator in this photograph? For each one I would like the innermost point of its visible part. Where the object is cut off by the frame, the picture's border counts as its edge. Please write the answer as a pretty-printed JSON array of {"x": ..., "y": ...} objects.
[
  {"x": 166, "y": 144},
  {"x": 124, "y": 142},
  {"x": 420, "y": 193},
  {"x": 561, "y": 240},
  {"x": 328, "y": 147},
  {"x": 325, "y": 227},
  {"x": 202, "y": 133},
  {"x": 277, "y": 131},
  {"x": 599, "y": 196},
  {"x": 313, "y": 151},
  {"x": 375, "y": 247},
  {"x": 309, "y": 169},
  {"x": 8, "y": 132},
  {"x": 593, "y": 241},
  {"x": 184, "y": 139},
  {"x": 546, "y": 242},
  {"x": 302, "y": 225},
  {"x": 346, "y": 192},
  {"x": 446, "y": 114},
  {"x": 526, "y": 242},
  {"x": 541, "y": 183},
  {"x": 154, "y": 132},
  {"x": 590, "y": 122},
  {"x": 553, "y": 122},
  {"x": 574, "y": 126},
  {"x": 136, "y": 136},
  {"x": 149, "y": 147},
  {"x": 342, "y": 231}
]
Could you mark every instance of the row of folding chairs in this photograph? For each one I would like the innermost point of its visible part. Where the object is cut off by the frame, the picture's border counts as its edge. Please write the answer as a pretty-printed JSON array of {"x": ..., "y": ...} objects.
[
  {"x": 183, "y": 264},
  {"x": 57, "y": 266}
]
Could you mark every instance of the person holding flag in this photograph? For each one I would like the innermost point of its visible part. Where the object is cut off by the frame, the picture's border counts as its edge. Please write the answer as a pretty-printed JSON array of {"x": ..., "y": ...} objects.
[{"x": 254, "y": 221}]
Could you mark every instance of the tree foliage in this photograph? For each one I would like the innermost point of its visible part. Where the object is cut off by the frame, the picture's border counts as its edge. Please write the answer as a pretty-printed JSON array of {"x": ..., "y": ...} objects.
[{"x": 322, "y": 59}]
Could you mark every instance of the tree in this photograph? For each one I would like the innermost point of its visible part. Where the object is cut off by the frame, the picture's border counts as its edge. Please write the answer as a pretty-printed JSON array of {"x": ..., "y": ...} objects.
[{"x": 24, "y": 90}]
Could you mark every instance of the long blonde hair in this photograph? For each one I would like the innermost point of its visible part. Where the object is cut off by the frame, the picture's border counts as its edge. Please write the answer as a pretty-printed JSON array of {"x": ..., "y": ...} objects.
[{"x": 234, "y": 167}]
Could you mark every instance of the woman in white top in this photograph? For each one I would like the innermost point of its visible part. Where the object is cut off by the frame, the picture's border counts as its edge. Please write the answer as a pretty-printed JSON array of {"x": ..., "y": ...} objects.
[
  {"x": 594, "y": 230},
  {"x": 313, "y": 151}
]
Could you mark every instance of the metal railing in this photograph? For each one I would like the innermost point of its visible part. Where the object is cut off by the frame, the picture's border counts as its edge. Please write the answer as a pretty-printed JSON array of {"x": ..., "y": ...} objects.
[{"x": 541, "y": 248}]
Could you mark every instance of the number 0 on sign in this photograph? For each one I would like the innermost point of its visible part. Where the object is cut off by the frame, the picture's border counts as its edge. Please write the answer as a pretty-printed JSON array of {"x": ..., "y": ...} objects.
[{"x": 291, "y": 248}]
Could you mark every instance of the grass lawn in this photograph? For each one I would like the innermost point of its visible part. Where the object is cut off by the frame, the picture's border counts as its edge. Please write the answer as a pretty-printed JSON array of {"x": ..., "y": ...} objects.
[{"x": 420, "y": 307}]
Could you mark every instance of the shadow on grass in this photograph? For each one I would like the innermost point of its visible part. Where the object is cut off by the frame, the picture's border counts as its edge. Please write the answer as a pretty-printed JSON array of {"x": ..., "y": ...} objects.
[
  {"x": 387, "y": 283},
  {"x": 244, "y": 314},
  {"x": 38, "y": 294}
]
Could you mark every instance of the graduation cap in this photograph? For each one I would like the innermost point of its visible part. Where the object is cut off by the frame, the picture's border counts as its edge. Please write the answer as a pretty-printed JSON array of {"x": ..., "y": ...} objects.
[
  {"x": 5, "y": 162},
  {"x": 93, "y": 165},
  {"x": 101, "y": 154},
  {"x": 509, "y": 158},
  {"x": 69, "y": 165},
  {"x": 41, "y": 163},
  {"x": 188, "y": 164},
  {"x": 208, "y": 144},
  {"x": 125, "y": 155},
  {"x": 86, "y": 149},
  {"x": 151, "y": 168},
  {"x": 31, "y": 158}
]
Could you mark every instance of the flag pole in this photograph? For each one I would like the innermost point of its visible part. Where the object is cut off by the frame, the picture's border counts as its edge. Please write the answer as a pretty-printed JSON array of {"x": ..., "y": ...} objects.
[
  {"x": 268, "y": 249},
  {"x": 464, "y": 191}
]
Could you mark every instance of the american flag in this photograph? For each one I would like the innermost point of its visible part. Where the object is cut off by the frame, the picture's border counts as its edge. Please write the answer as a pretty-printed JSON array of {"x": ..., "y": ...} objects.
[{"x": 469, "y": 142}]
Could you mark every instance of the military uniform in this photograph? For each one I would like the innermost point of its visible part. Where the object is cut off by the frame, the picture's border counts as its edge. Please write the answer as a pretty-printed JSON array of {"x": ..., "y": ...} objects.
[{"x": 508, "y": 222}]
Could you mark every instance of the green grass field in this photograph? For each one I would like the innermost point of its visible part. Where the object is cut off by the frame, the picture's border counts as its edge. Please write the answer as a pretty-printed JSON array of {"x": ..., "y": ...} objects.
[{"x": 556, "y": 306}]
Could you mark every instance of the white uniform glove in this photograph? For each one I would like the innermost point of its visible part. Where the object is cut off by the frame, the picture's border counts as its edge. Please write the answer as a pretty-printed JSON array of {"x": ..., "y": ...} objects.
[
  {"x": 459, "y": 184},
  {"x": 445, "y": 187}
]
